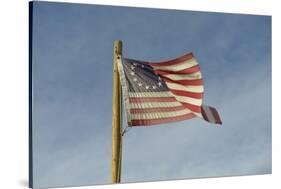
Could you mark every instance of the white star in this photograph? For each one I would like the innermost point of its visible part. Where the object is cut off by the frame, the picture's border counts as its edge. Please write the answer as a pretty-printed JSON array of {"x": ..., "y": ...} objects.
[
  {"x": 160, "y": 84},
  {"x": 135, "y": 79},
  {"x": 132, "y": 73},
  {"x": 154, "y": 87},
  {"x": 132, "y": 67},
  {"x": 159, "y": 78},
  {"x": 135, "y": 64},
  {"x": 140, "y": 84},
  {"x": 142, "y": 66},
  {"x": 147, "y": 87}
]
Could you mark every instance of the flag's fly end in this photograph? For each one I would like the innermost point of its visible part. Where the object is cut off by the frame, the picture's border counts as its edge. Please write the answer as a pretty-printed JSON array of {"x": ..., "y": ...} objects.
[{"x": 211, "y": 115}]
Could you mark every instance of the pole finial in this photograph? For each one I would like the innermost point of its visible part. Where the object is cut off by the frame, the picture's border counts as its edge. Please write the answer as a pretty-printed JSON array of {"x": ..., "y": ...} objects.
[{"x": 118, "y": 47}]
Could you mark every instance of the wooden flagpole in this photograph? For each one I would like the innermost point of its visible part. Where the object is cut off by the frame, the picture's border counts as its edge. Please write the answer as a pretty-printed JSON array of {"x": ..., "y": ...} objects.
[{"x": 116, "y": 117}]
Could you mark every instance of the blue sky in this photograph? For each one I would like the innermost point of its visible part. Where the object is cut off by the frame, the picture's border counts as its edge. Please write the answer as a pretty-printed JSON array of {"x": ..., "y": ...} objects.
[{"x": 72, "y": 94}]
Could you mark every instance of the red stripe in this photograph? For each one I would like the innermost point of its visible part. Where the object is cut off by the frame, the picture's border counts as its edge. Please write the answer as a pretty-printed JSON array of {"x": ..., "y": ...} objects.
[
  {"x": 190, "y": 70},
  {"x": 216, "y": 115},
  {"x": 180, "y": 59},
  {"x": 153, "y": 110},
  {"x": 151, "y": 99},
  {"x": 185, "y": 82},
  {"x": 143, "y": 122},
  {"x": 188, "y": 94},
  {"x": 192, "y": 107}
]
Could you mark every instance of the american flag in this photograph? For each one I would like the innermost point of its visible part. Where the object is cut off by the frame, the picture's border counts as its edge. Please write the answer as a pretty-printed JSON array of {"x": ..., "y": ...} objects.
[{"x": 162, "y": 92}]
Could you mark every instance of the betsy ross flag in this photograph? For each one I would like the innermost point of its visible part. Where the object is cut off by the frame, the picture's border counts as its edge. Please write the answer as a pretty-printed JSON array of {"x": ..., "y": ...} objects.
[{"x": 162, "y": 92}]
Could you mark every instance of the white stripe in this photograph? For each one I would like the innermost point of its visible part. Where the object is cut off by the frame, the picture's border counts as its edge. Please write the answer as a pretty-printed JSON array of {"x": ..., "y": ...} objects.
[
  {"x": 160, "y": 115},
  {"x": 195, "y": 89},
  {"x": 177, "y": 67},
  {"x": 192, "y": 76},
  {"x": 209, "y": 114},
  {"x": 150, "y": 94},
  {"x": 194, "y": 101},
  {"x": 198, "y": 114},
  {"x": 154, "y": 104}
]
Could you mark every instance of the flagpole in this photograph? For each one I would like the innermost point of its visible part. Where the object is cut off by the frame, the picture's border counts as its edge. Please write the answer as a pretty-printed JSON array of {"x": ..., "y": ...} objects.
[{"x": 116, "y": 118}]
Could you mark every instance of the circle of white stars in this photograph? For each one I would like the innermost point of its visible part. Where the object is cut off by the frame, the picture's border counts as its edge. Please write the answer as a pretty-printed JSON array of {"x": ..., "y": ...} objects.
[{"x": 139, "y": 83}]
